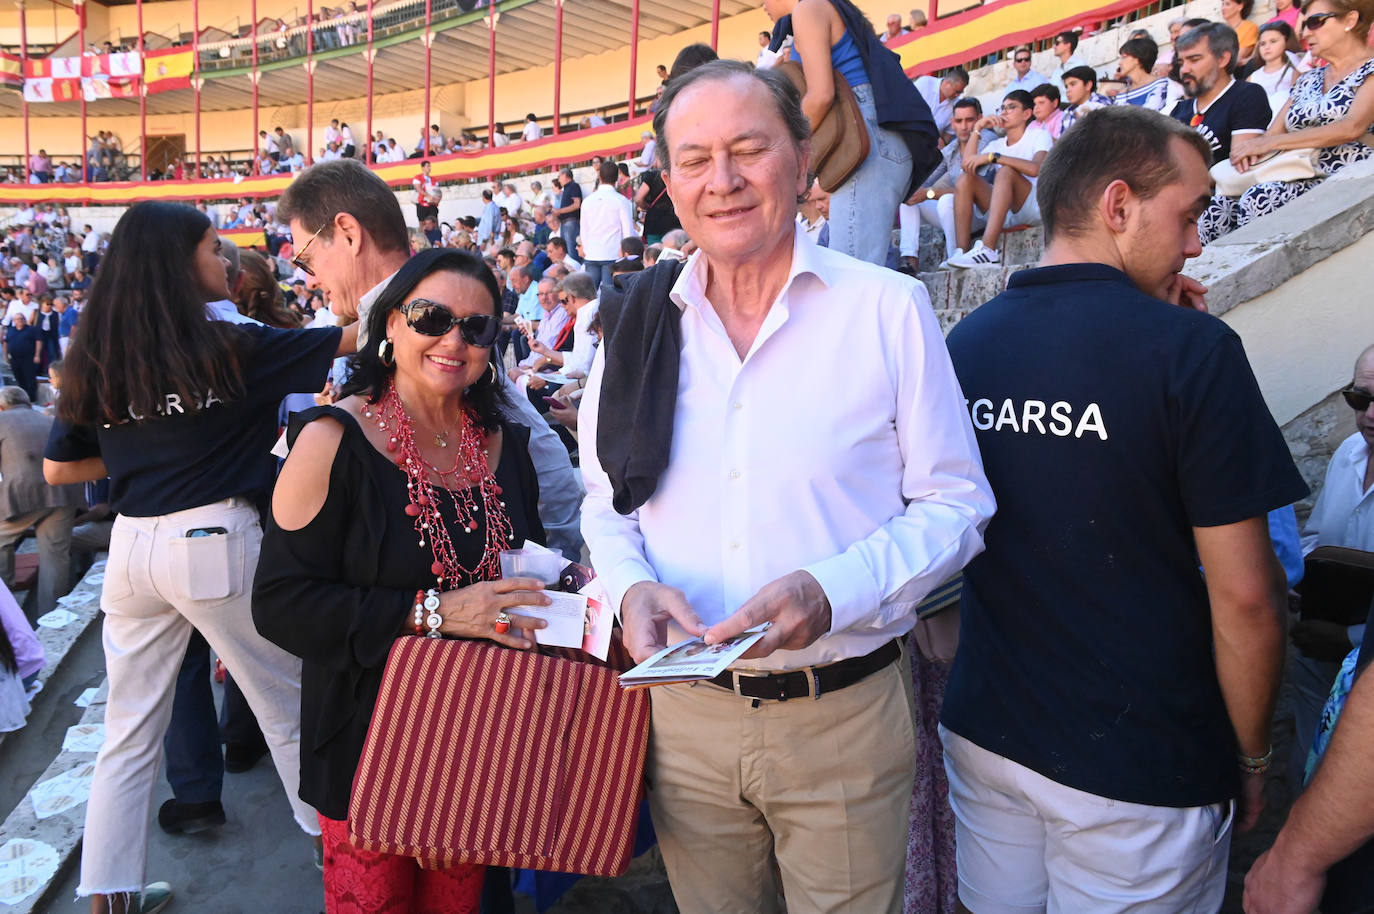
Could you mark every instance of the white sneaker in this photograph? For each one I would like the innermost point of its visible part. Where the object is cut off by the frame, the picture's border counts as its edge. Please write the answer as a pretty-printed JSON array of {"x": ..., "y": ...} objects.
[
  {"x": 947, "y": 263},
  {"x": 978, "y": 256}
]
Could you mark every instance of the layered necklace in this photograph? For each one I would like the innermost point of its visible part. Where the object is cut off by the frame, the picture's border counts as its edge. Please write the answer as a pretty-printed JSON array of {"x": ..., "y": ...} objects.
[{"x": 469, "y": 483}]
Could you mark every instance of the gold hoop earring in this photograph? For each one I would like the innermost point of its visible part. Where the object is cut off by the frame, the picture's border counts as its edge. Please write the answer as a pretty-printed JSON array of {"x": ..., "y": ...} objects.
[{"x": 386, "y": 353}]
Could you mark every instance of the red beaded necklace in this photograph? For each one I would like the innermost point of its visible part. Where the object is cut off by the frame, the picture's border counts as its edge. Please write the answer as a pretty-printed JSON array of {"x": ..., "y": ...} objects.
[{"x": 469, "y": 482}]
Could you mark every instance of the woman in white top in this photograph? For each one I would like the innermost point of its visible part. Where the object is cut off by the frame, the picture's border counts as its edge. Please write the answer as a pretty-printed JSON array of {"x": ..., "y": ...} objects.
[{"x": 1281, "y": 67}]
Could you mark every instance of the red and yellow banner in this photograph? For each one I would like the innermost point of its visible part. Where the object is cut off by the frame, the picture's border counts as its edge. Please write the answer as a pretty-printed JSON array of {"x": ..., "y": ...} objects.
[
  {"x": 11, "y": 71},
  {"x": 245, "y": 237},
  {"x": 168, "y": 68},
  {"x": 93, "y": 76}
]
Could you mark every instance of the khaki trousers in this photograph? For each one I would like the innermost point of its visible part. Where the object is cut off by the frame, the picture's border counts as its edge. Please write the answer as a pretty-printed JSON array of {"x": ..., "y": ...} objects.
[
  {"x": 821, "y": 785},
  {"x": 159, "y": 584}
]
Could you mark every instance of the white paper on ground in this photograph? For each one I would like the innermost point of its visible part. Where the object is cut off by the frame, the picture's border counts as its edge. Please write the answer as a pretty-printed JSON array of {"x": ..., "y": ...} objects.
[
  {"x": 86, "y": 697},
  {"x": 97, "y": 578},
  {"x": 77, "y": 598},
  {"x": 58, "y": 618},
  {"x": 63, "y": 792},
  {"x": 25, "y": 866},
  {"x": 84, "y": 738}
]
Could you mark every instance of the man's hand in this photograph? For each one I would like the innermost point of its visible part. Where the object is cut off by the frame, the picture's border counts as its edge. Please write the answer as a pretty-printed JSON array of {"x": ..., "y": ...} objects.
[
  {"x": 645, "y": 612},
  {"x": 1277, "y": 884},
  {"x": 1187, "y": 293},
  {"x": 796, "y": 606},
  {"x": 1251, "y": 801}
]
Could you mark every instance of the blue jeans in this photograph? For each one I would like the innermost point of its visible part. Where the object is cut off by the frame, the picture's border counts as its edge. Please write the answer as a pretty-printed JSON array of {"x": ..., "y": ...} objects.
[
  {"x": 568, "y": 230},
  {"x": 195, "y": 767},
  {"x": 598, "y": 270},
  {"x": 863, "y": 209}
]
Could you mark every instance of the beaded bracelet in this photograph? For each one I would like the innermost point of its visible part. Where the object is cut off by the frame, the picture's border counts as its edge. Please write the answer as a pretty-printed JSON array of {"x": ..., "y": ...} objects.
[
  {"x": 1256, "y": 764},
  {"x": 418, "y": 622}
]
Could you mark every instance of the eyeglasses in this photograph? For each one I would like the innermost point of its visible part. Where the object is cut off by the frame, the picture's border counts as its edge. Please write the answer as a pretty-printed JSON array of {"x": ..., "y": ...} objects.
[
  {"x": 430, "y": 318},
  {"x": 1314, "y": 21},
  {"x": 1357, "y": 398},
  {"x": 563, "y": 299},
  {"x": 1023, "y": 60},
  {"x": 301, "y": 264}
]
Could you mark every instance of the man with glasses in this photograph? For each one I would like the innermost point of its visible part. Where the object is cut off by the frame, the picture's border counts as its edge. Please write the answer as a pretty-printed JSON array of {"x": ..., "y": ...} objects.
[
  {"x": 1009, "y": 198},
  {"x": 547, "y": 332},
  {"x": 1066, "y": 50},
  {"x": 1027, "y": 80}
]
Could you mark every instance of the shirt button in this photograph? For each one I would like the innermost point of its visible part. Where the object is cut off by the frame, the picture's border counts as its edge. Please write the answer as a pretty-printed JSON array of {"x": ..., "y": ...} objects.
[
  {"x": 739, "y": 405},
  {"x": 734, "y": 544},
  {"x": 734, "y": 474}
]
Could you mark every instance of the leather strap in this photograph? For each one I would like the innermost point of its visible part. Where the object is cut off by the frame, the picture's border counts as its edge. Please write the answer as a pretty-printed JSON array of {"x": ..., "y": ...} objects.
[{"x": 809, "y": 682}]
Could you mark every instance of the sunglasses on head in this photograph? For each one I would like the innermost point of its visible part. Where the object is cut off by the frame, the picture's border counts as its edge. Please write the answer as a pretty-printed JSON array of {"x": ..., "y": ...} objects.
[
  {"x": 1357, "y": 398},
  {"x": 430, "y": 318}
]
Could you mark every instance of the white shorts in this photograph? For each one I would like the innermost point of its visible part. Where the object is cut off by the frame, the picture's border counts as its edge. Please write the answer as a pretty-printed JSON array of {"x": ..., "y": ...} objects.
[
  {"x": 1028, "y": 214},
  {"x": 1029, "y": 844}
]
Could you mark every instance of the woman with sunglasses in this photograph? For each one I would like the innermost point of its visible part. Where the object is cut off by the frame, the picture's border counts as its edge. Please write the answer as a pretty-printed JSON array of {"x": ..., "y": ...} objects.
[
  {"x": 388, "y": 521},
  {"x": 180, "y": 412},
  {"x": 1329, "y": 109}
]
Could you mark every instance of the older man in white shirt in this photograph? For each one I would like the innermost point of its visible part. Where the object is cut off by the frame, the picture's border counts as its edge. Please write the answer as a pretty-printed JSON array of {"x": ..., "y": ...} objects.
[
  {"x": 719, "y": 500},
  {"x": 607, "y": 217}
]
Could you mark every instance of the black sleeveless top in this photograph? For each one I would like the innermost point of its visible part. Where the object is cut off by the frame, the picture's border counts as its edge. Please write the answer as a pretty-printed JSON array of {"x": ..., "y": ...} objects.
[{"x": 339, "y": 591}]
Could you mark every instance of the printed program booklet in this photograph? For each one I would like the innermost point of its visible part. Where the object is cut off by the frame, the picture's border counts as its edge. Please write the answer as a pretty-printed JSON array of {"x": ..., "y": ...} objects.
[{"x": 690, "y": 661}]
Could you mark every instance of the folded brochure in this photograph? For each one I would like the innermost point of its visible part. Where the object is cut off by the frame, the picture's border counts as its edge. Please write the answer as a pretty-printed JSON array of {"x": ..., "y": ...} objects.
[{"x": 690, "y": 661}]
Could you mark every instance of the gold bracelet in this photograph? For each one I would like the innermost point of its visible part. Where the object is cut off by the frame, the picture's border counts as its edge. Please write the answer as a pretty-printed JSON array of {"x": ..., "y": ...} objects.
[{"x": 1256, "y": 764}]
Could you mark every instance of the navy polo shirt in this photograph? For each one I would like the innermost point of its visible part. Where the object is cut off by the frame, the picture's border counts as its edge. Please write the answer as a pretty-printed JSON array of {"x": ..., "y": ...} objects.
[
  {"x": 186, "y": 458},
  {"x": 1110, "y": 424}
]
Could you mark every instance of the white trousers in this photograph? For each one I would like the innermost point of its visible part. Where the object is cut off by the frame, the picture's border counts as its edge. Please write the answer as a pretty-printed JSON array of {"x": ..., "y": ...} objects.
[
  {"x": 938, "y": 213},
  {"x": 159, "y": 584}
]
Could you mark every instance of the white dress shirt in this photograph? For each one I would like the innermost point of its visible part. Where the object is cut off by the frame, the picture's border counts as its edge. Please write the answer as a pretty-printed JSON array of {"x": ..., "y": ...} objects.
[
  {"x": 942, "y": 110},
  {"x": 532, "y": 131},
  {"x": 578, "y": 362},
  {"x": 839, "y": 445},
  {"x": 607, "y": 217},
  {"x": 1028, "y": 83},
  {"x": 1344, "y": 512}
]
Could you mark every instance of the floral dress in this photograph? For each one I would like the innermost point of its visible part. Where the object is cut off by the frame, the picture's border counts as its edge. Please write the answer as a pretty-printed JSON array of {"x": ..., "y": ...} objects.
[{"x": 1310, "y": 105}]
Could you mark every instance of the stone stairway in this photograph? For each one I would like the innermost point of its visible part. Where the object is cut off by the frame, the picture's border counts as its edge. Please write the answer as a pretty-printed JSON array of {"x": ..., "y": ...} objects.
[{"x": 954, "y": 293}]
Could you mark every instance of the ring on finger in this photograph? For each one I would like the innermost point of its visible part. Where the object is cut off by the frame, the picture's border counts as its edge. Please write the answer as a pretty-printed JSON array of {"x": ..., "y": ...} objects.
[{"x": 502, "y": 622}]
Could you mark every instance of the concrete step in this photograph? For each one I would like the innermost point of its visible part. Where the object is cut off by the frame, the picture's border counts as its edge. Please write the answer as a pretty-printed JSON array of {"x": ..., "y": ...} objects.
[{"x": 957, "y": 292}]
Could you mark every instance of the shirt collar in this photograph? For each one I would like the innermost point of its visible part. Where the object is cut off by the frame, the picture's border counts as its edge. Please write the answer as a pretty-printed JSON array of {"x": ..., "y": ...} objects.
[
  {"x": 1068, "y": 272},
  {"x": 365, "y": 303},
  {"x": 690, "y": 288}
]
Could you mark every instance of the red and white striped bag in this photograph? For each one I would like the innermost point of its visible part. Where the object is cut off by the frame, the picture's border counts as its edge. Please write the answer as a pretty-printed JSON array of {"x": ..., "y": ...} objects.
[{"x": 483, "y": 754}]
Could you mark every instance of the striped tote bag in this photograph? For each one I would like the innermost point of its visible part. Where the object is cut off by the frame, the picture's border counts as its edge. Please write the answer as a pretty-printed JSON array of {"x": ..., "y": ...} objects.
[{"x": 481, "y": 754}]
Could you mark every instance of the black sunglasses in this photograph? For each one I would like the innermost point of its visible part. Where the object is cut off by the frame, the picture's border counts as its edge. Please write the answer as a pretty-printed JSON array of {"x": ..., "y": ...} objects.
[
  {"x": 433, "y": 319},
  {"x": 1314, "y": 21},
  {"x": 1358, "y": 399},
  {"x": 1023, "y": 60}
]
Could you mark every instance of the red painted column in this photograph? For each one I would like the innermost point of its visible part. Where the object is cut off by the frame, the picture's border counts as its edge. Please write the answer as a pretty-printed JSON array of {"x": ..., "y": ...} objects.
[
  {"x": 23, "y": 68},
  {"x": 715, "y": 25},
  {"x": 558, "y": 68},
  {"x": 80, "y": 6},
  {"x": 429, "y": 53},
  {"x": 142, "y": 103},
  {"x": 195, "y": 71},
  {"x": 253, "y": 77},
  {"x": 309, "y": 81},
  {"x": 634, "y": 51},
  {"x": 934, "y": 11},
  {"x": 371, "y": 56},
  {"x": 491, "y": 69}
]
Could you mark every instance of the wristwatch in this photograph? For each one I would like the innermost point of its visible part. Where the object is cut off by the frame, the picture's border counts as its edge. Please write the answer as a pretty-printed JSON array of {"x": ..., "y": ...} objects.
[
  {"x": 930, "y": 193},
  {"x": 994, "y": 157}
]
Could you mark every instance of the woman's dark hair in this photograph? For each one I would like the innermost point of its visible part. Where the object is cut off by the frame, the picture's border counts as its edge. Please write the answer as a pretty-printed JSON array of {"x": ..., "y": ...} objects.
[
  {"x": 259, "y": 295},
  {"x": 691, "y": 57},
  {"x": 1290, "y": 38},
  {"x": 144, "y": 334},
  {"x": 1143, "y": 50},
  {"x": 8, "y": 661},
  {"x": 369, "y": 377}
]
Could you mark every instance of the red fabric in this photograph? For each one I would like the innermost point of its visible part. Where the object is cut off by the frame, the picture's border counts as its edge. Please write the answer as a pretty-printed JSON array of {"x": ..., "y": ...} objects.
[{"x": 362, "y": 882}]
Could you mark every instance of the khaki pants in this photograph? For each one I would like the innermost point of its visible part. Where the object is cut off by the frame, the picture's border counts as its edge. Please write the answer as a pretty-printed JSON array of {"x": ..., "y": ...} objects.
[
  {"x": 53, "y": 530},
  {"x": 821, "y": 785},
  {"x": 159, "y": 584}
]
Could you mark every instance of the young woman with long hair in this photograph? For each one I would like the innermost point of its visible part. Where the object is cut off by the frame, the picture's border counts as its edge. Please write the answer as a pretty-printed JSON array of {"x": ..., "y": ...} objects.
[
  {"x": 260, "y": 296},
  {"x": 180, "y": 411}
]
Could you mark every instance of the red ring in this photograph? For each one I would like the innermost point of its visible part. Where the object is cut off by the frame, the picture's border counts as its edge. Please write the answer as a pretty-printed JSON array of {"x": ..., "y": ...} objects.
[{"x": 502, "y": 624}]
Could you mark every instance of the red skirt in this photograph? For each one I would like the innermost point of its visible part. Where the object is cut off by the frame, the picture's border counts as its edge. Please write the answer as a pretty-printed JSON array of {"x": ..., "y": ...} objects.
[{"x": 363, "y": 882}]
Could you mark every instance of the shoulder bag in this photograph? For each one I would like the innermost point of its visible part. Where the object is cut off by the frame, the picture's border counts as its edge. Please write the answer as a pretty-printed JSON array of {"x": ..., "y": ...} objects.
[
  {"x": 482, "y": 754},
  {"x": 839, "y": 143},
  {"x": 1288, "y": 165}
]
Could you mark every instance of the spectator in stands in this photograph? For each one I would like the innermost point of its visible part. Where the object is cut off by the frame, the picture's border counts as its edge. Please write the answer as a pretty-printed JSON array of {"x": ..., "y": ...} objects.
[
  {"x": 917, "y": 20},
  {"x": 541, "y": 197},
  {"x": 834, "y": 37},
  {"x": 489, "y": 223},
  {"x": 1236, "y": 14},
  {"x": 285, "y": 147},
  {"x": 569, "y": 209},
  {"x": 1007, "y": 200},
  {"x": 26, "y": 499},
  {"x": 557, "y": 249},
  {"x": 498, "y": 137},
  {"x": 1061, "y": 764},
  {"x": 17, "y": 640},
  {"x": 1288, "y": 12},
  {"x": 653, "y": 201},
  {"x": 894, "y": 28},
  {"x": 646, "y": 153},
  {"x": 1143, "y": 88},
  {"x": 26, "y": 656},
  {"x": 532, "y": 129},
  {"x": 508, "y": 198},
  {"x": 1080, "y": 91},
  {"x": 676, "y": 245},
  {"x": 22, "y": 346},
  {"x": 1045, "y": 108},
  {"x": 1027, "y": 80},
  {"x": 426, "y": 194},
  {"x": 941, "y": 93},
  {"x": 606, "y": 218},
  {"x": 268, "y": 149},
  {"x": 1065, "y": 48},
  {"x": 933, "y": 204},
  {"x": 1218, "y": 106},
  {"x": 48, "y": 322},
  {"x": 40, "y": 168},
  {"x": 1279, "y": 66}
]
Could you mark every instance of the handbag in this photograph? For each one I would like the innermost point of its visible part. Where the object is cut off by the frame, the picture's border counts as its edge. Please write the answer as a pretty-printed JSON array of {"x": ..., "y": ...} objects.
[
  {"x": 1337, "y": 585},
  {"x": 481, "y": 754},
  {"x": 1288, "y": 165},
  {"x": 839, "y": 143}
]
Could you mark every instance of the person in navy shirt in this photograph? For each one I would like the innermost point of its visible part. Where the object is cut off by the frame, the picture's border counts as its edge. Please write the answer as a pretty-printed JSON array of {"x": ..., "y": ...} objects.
[{"x": 1110, "y": 702}]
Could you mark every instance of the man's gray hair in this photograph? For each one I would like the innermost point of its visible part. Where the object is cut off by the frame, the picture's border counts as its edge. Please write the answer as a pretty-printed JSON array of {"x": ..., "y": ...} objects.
[
  {"x": 1220, "y": 38},
  {"x": 676, "y": 239},
  {"x": 579, "y": 285},
  {"x": 784, "y": 94},
  {"x": 13, "y": 398},
  {"x": 322, "y": 191}
]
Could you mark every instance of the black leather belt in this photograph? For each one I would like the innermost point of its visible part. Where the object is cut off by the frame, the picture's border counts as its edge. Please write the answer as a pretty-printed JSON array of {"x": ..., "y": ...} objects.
[{"x": 811, "y": 682}]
